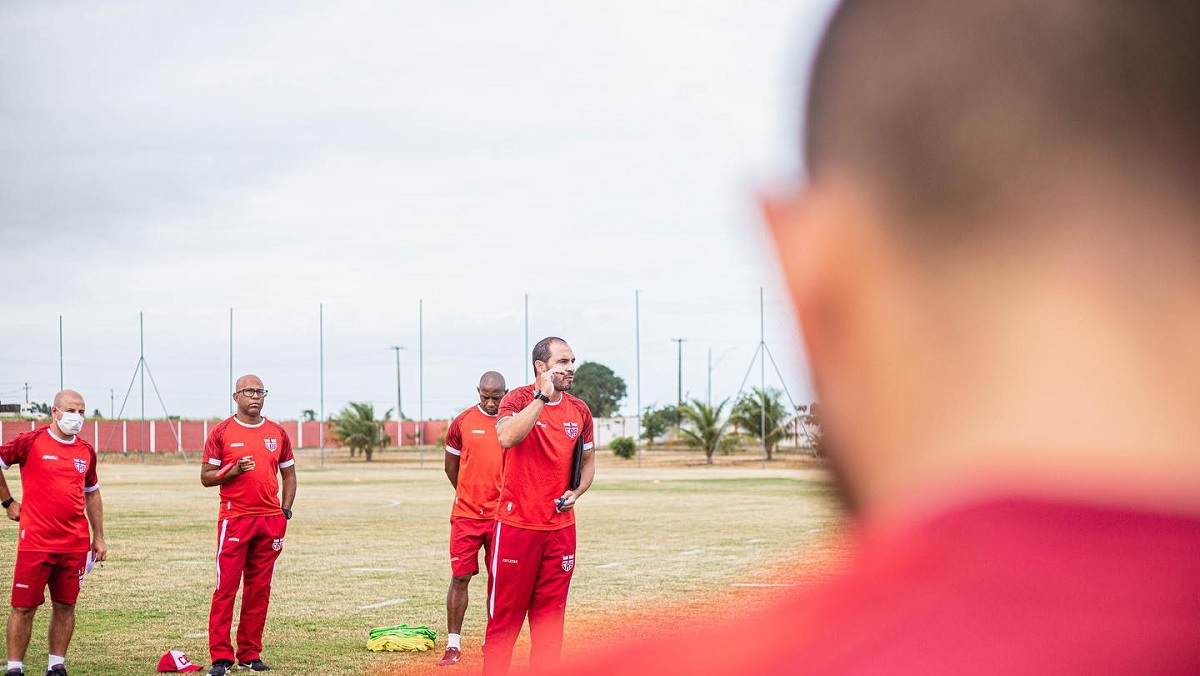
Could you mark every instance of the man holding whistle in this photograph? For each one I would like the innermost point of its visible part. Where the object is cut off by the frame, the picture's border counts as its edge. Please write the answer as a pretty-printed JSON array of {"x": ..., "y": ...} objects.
[
  {"x": 246, "y": 455},
  {"x": 533, "y": 554}
]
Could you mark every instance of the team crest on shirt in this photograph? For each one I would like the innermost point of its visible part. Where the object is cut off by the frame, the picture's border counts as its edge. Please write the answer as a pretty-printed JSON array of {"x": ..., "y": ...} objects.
[
  {"x": 277, "y": 544},
  {"x": 80, "y": 465},
  {"x": 568, "y": 562},
  {"x": 572, "y": 430},
  {"x": 271, "y": 444}
]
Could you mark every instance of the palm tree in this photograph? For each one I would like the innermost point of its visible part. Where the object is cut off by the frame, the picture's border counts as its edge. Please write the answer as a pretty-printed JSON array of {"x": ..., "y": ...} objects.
[
  {"x": 356, "y": 427},
  {"x": 308, "y": 415},
  {"x": 747, "y": 416},
  {"x": 705, "y": 429}
]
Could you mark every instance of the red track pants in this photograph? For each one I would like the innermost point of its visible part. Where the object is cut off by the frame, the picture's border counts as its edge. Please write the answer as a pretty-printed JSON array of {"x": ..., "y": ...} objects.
[
  {"x": 531, "y": 574},
  {"x": 247, "y": 547}
]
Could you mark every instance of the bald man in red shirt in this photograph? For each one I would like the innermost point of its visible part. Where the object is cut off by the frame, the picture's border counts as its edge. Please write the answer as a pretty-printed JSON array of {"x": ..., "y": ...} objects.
[
  {"x": 247, "y": 455},
  {"x": 61, "y": 494}
]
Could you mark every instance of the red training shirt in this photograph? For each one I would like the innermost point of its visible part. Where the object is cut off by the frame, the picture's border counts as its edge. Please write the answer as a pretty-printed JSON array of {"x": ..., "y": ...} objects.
[
  {"x": 55, "y": 474},
  {"x": 255, "y": 493},
  {"x": 472, "y": 437},
  {"x": 1008, "y": 586},
  {"x": 538, "y": 470}
]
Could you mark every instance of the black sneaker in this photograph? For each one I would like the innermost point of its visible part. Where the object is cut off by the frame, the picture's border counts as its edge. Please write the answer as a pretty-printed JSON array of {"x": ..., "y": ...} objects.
[
  {"x": 15, "y": 672},
  {"x": 253, "y": 665},
  {"x": 220, "y": 668},
  {"x": 57, "y": 670}
]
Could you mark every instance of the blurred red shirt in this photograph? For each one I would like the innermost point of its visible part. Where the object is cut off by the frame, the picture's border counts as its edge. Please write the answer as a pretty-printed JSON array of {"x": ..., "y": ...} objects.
[{"x": 1003, "y": 587}]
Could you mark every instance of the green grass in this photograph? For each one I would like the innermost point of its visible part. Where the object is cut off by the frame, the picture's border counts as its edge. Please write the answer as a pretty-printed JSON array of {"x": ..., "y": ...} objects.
[{"x": 364, "y": 534}]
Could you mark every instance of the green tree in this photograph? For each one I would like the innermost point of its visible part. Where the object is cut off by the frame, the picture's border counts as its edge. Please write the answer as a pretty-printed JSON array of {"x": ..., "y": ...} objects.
[
  {"x": 356, "y": 427},
  {"x": 747, "y": 417},
  {"x": 308, "y": 415},
  {"x": 656, "y": 421},
  {"x": 624, "y": 447},
  {"x": 705, "y": 429},
  {"x": 600, "y": 388}
]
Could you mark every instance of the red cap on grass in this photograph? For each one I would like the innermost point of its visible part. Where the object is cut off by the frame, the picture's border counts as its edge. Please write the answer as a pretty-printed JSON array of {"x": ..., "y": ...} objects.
[{"x": 175, "y": 660}]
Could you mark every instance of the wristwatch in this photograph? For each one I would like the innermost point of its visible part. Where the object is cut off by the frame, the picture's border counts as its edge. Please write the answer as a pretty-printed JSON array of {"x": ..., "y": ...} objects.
[
  {"x": 287, "y": 514},
  {"x": 6, "y": 503},
  {"x": 537, "y": 394}
]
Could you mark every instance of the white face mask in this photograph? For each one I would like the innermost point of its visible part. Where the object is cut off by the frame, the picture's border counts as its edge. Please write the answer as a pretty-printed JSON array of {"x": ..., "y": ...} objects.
[{"x": 70, "y": 423}]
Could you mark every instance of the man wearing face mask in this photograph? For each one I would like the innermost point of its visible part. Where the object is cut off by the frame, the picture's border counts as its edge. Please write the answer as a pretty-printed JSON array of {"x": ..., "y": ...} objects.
[
  {"x": 61, "y": 497},
  {"x": 533, "y": 555}
]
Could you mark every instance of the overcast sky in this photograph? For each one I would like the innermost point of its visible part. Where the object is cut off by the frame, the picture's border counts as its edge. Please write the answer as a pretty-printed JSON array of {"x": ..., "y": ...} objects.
[{"x": 183, "y": 159}]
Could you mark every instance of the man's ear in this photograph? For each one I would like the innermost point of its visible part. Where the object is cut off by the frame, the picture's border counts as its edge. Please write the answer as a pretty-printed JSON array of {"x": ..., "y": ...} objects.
[{"x": 538, "y": 367}]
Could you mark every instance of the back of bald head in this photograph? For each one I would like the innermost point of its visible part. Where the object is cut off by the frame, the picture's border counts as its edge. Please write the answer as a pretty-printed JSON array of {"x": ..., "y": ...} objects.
[
  {"x": 954, "y": 113},
  {"x": 492, "y": 380}
]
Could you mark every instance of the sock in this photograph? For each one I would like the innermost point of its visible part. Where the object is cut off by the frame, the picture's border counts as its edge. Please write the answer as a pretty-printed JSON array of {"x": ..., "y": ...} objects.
[
  {"x": 55, "y": 659},
  {"x": 16, "y": 664},
  {"x": 452, "y": 641}
]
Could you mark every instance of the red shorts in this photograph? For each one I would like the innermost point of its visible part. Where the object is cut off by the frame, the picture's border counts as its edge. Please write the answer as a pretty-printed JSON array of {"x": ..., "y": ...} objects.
[
  {"x": 35, "y": 570},
  {"x": 467, "y": 536}
]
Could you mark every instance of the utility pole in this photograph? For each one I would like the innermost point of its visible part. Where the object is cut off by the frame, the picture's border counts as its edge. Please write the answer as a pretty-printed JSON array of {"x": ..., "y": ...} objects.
[
  {"x": 679, "y": 342},
  {"x": 26, "y": 388},
  {"x": 112, "y": 403},
  {"x": 60, "y": 355},
  {"x": 399, "y": 398}
]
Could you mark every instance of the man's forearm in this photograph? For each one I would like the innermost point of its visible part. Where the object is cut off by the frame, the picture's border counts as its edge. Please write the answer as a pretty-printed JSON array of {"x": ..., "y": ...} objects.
[
  {"x": 5, "y": 494},
  {"x": 513, "y": 430},
  {"x": 588, "y": 473},
  {"x": 95, "y": 513},
  {"x": 289, "y": 491},
  {"x": 452, "y": 464}
]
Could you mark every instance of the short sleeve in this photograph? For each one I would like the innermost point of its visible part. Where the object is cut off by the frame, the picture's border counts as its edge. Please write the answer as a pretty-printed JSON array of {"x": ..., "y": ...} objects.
[
  {"x": 514, "y": 402},
  {"x": 589, "y": 441},
  {"x": 213, "y": 448},
  {"x": 91, "y": 480},
  {"x": 15, "y": 451},
  {"x": 454, "y": 437},
  {"x": 286, "y": 457}
]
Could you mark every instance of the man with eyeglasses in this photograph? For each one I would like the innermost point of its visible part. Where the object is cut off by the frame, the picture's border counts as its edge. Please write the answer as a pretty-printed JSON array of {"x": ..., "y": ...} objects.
[{"x": 245, "y": 455}]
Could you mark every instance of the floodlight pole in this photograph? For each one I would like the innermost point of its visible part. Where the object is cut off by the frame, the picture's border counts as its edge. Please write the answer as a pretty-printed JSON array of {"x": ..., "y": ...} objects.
[
  {"x": 399, "y": 399},
  {"x": 421, "y": 382},
  {"x": 231, "y": 361},
  {"x": 60, "y": 354},
  {"x": 637, "y": 332},
  {"x": 142, "y": 371},
  {"x": 525, "y": 357},
  {"x": 321, "y": 425},
  {"x": 762, "y": 375},
  {"x": 680, "y": 341}
]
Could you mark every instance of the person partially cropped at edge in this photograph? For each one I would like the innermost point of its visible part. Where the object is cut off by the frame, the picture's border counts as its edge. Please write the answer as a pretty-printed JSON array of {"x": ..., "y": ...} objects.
[
  {"x": 61, "y": 497},
  {"x": 994, "y": 259}
]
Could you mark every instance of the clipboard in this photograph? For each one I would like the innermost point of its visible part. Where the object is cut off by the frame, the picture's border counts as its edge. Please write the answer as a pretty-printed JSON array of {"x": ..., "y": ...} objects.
[{"x": 576, "y": 464}]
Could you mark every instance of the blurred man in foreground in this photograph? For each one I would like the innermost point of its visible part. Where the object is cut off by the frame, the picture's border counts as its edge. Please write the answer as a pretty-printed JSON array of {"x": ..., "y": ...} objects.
[{"x": 995, "y": 262}]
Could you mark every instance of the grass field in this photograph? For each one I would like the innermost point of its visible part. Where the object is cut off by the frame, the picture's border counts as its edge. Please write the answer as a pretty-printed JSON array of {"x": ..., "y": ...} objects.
[{"x": 368, "y": 548}]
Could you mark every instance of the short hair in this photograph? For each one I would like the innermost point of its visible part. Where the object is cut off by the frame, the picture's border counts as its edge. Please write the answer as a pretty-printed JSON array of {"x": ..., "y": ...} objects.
[
  {"x": 541, "y": 351},
  {"x": 961, "y": 109}
]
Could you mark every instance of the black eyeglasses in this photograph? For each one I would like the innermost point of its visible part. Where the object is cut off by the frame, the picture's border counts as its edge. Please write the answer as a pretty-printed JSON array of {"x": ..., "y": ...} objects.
[{"x": 251, "y": 392}]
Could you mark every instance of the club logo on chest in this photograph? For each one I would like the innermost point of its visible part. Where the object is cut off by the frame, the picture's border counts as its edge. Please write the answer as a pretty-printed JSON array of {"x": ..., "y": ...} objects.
[
  {"x": 271, "y": 444},
  {"x": 80, "y": 465},
  {"x": 571, "y": 428}
]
